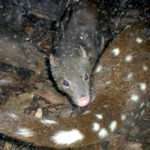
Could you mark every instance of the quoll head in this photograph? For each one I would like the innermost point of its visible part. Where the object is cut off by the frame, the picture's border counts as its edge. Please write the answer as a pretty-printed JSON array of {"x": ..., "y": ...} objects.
[{"x": 72, "y": 76}]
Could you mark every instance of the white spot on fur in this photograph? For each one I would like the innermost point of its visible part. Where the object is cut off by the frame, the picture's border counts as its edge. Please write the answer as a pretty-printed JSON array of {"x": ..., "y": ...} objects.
[
  {"x": 113, "y": 126},
  {"x": 145, "y": 68},
  {"x": 103, "y": 133},
  {"x": 39, "y": 113},
  {"x": 134, "y": 97},
  {"x": 67, "y": 137},
  {"x": 48, "y": 122},
  {"x": 108, "y": 82},
  {"x": 25, "y": 132},
  {"x": 142, "y": 86},
  {"x": 129, "y": 76},
  {"x": 139, "y": 40},
  {"x": 86, "y": 112},
  {"x": 98, "y": 68},
  {"x": 13, "y": 116},
  {"x": 128, "y": 58},
  {"x": 116, "y": 51},
  {"x": 99, "y": 116},
  {"x": 123, "y": 117},
  {"x": 106, "y": 106},
  {"x": 95, "y": 126}
]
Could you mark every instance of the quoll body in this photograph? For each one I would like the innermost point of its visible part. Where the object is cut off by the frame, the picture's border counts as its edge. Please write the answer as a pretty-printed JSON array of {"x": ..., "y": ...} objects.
[
  {"x": 76, "y": 52},
  {"x": 123, "y": 91}
]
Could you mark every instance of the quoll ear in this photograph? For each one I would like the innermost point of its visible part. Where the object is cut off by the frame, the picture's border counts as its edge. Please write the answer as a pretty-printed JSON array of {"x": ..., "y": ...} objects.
[
  {"x": 54, "y": 61},
  {"x": 83, "y": 52}
]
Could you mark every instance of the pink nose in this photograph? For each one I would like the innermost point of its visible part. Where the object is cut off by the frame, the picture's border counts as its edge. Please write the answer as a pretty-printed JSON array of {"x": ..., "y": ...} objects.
[{"x": 84, "y": 101}]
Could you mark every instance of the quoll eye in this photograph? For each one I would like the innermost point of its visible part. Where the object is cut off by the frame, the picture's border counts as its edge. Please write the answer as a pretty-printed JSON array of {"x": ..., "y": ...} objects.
[
  {"x": 86, "y": 77},
  {"x": 65, "y": 83}
]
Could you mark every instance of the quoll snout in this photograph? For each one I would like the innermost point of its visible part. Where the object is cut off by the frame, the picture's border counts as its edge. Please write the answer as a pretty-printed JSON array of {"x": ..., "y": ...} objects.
[{"x": 84, "y": 101}]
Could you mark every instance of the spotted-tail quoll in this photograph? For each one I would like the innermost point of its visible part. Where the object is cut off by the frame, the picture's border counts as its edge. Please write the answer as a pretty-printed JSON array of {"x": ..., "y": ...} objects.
[{"x": 123, "y": 91}]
